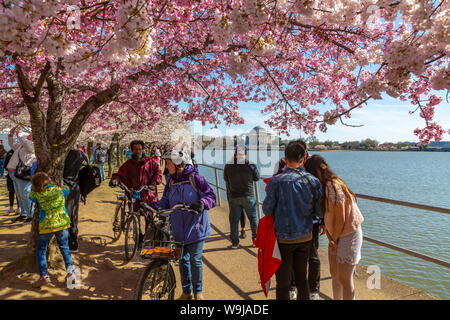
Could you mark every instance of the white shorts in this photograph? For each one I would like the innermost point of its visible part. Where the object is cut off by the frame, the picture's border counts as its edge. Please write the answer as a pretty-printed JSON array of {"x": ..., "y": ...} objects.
[{"x": 349, "y": 247}]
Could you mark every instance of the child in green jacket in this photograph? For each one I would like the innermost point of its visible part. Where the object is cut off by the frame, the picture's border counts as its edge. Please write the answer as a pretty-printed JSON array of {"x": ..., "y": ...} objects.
[{"x": 53, "y": 220}]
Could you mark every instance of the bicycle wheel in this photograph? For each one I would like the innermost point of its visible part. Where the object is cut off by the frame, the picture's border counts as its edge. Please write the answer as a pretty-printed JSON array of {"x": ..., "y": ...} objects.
[
  {"x": 117, "y": 222},
  {"x": 157, "y": 282},
  {"x": 131, "y": 238}
]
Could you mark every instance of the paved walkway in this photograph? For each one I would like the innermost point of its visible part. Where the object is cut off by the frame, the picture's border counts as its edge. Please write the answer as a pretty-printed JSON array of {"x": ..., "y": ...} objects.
[{"x": 232, "y": 274}]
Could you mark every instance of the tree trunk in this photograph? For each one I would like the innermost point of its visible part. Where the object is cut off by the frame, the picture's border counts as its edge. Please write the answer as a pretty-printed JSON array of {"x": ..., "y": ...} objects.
[
  {"x": 110, "y": 159},
  {"x": 117, "y": 155},
  {"x": 50, "y": 144},
  {"x": 90, "y": 150}
]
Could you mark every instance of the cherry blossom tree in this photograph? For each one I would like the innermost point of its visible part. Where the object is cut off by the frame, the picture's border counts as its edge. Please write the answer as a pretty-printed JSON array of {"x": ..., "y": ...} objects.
[{"x": 106, "y": 63}]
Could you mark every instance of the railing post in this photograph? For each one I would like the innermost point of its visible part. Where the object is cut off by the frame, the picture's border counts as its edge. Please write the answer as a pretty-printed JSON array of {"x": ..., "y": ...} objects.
[
  {"x": 217, "y": 188},
  {"x": 257, "y": 200}
]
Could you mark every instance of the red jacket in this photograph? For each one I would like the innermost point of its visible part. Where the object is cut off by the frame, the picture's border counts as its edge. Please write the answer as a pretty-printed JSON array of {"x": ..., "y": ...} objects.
[
  {"x": 134, "y": 174},
  {"x": 269, "y": 256}
]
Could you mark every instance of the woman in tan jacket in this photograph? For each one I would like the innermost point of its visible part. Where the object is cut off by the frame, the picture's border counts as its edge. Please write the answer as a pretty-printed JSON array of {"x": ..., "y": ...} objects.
[{"x": 343, "y": 227}]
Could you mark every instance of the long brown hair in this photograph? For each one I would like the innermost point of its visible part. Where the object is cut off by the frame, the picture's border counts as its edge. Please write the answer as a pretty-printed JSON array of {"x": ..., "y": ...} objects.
[
  {"x": 317, "y": 166},
  {"x": 39, "y": 181}
]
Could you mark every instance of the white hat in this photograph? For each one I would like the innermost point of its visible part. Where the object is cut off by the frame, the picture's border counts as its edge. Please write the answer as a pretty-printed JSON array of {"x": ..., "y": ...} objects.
[{"x": 178, "y": 157}]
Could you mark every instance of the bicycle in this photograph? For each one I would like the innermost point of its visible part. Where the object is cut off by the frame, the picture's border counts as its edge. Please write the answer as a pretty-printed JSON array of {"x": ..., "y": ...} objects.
[
  {"x": 158, "y": 279},
  {"x": 128, "y": 220}
]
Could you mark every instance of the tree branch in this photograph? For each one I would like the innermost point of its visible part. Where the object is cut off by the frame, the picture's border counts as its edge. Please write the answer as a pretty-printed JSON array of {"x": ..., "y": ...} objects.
[
  {"x": 41, "y": 81},
  {"x": 88, "y": 107}
]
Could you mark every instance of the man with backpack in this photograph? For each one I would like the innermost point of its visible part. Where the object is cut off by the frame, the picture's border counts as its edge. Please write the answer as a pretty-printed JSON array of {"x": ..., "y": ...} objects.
[
  {"x": 74, "y": 160},
  {"x": 100, "y": 158}
]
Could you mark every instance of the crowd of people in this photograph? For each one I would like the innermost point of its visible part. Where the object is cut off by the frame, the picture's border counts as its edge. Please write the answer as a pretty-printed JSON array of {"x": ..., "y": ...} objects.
[{"x": 304, "y": 197}]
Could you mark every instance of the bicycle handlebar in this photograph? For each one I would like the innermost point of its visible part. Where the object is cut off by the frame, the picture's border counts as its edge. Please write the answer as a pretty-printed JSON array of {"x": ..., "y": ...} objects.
[
  {"x": 130, "y": 191},
  {"x": 180, "y": 206}
]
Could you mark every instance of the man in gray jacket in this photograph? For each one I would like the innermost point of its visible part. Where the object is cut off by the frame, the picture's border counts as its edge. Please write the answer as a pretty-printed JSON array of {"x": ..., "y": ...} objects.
[{"x": 24, "y": 152}]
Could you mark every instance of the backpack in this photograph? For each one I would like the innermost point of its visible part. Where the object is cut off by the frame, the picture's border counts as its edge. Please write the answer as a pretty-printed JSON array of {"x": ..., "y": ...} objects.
[
  {"x": 89, "y": 180},
  {"x": 191, "y": 181},
  {"x": 8, "y": 157},
  {"x": 101, "y": 156}
]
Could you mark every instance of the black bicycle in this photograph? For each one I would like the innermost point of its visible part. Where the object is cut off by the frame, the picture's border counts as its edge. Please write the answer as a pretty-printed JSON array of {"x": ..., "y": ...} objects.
[
  {"x": 126, "y": 219},
  {"x": 158, "y": 281}
]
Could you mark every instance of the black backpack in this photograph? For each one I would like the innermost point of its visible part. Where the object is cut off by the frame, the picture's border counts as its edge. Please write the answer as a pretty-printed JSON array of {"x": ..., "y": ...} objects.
[
  {"x": 8, "y": 157},
  {"x": 89, "y": 180},
  {"x": 101, "y": 156}
]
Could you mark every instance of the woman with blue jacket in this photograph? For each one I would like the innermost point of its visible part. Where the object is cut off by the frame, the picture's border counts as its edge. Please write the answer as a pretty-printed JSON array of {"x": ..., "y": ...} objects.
[{"x": 187, "y": 186}]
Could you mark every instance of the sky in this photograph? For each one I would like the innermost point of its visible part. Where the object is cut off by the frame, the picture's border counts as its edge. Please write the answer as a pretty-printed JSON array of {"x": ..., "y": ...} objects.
[{"x": 385, "y": 120}]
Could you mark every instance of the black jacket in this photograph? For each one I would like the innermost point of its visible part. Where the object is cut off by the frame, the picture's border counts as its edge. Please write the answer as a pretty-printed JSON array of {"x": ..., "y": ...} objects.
[
  {"x": 72, "y": 166},
  {"x": 8, "y": 157},
  {"x": 239, "y": 178}
]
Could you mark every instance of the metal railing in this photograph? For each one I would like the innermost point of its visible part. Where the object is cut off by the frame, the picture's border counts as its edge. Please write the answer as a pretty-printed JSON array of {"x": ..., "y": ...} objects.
[{"x": 362, "y": 196}]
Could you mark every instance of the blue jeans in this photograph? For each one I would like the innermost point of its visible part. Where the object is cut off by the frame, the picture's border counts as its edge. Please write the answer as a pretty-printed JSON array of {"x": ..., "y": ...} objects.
[
  {"x": 102, "y": 171},
  {"x": 2, "y": 167},
  {"x": 191, "y": 267},
  {"x": 62, "y": 237},
  {"x": 236, "y": 206},
  {"x": 23, "y": 189}
]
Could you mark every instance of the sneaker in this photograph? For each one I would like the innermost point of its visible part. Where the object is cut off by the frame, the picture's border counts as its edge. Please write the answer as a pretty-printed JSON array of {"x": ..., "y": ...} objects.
[
  {"x": 74, "y": 250},
  {"x": 44, "y": 280},
  {"x": 28, "y": 221},
  {"x": 243, "y": 234},
  {"x": 11, "y": 210},
  {"x": 17, "y": 211},
  {"x": 199, "y": 296},
  {"x": 234, "y": 246},
  {"x": 185, "y": 296},
  {"x": 19, "y": 219},
  {"x": 292, "y": 294},
  {"x": 314, "y": 296}
]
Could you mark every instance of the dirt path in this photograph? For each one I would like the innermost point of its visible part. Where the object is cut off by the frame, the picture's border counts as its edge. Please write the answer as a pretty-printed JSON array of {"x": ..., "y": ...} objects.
[{"x": 104, "y": 273}]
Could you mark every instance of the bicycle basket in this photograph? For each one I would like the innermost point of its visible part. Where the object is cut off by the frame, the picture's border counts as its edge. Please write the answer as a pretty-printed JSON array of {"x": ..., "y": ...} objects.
[{"x": 159, "y": 249}]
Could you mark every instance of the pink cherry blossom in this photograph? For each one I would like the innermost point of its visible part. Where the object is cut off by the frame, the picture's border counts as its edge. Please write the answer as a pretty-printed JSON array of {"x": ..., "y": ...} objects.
[{"x": 125, "y": 63}]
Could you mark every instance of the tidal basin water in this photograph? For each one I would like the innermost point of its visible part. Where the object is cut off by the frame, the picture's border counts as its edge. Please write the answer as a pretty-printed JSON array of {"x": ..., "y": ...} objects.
[{"x": 418, "y": 177}]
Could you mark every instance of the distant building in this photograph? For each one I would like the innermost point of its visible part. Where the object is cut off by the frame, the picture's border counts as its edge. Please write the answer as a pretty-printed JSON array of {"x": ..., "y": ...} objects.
[{"x": 260, "y": 136}]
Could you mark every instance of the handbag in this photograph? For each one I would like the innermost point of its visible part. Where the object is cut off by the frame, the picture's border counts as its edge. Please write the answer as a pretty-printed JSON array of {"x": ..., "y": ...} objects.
[{"x": 23, "y": 172}]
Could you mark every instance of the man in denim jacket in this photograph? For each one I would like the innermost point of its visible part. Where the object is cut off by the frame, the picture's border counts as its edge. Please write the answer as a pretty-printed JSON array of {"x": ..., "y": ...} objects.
[{"x": 294, "y": 197}]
